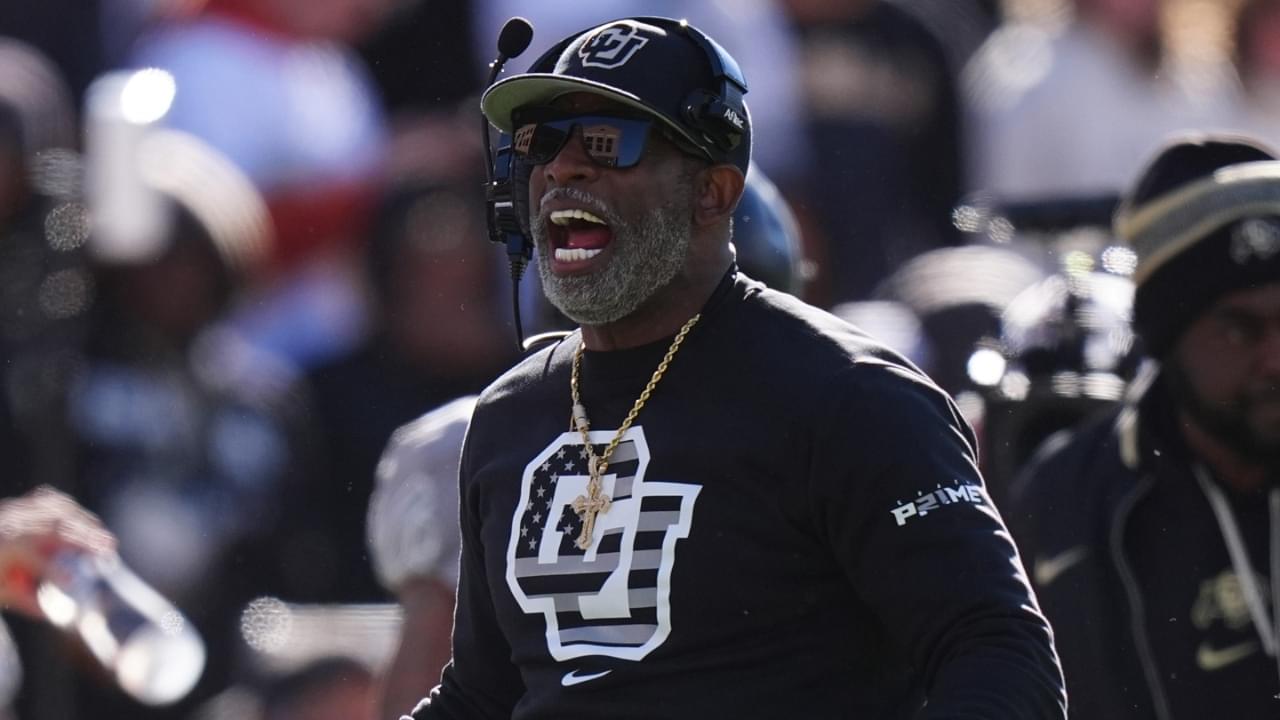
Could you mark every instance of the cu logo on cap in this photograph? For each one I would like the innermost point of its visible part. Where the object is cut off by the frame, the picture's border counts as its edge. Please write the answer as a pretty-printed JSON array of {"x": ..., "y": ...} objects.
[
  {"x": 611, "y": 47},
  {"x": 1255, "y": 239}
]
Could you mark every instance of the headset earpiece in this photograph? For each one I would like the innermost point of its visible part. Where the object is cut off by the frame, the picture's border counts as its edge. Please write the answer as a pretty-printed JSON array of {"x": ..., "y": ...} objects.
[{"x": 720, "y": 123}]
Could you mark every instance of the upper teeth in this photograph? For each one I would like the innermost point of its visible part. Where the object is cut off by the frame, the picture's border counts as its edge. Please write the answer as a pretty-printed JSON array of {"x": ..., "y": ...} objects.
[{"x": 564, "y": 217}]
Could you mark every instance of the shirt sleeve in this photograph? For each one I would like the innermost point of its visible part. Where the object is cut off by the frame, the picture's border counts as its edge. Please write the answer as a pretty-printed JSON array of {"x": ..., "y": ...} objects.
[
  {"x": 412, "y": 528},
  {"x": 899, "y": 496},
  {"x": 480, "y": 682}
]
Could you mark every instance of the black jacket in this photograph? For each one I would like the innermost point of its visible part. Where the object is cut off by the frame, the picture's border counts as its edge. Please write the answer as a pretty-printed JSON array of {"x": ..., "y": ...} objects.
[{"x": 1124, "y": 552}]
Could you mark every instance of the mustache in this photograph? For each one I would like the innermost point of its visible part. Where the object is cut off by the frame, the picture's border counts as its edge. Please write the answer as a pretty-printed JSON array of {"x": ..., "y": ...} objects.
[{"x": 579, "y": 196}]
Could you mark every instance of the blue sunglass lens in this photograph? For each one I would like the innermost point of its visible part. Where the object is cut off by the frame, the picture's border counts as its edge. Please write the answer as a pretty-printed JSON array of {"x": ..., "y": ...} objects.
[{"x": 609, "y": 141}]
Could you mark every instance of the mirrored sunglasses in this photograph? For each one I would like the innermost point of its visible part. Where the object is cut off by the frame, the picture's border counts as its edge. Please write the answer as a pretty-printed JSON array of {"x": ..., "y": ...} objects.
[{"x": 610, "y": 141}]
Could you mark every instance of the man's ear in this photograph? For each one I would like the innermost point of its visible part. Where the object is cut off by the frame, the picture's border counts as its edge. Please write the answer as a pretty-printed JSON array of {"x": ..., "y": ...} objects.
[{"x": 717, "y": 189}]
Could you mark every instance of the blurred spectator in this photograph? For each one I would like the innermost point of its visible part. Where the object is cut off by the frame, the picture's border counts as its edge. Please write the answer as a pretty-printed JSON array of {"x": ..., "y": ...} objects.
[
  {"x": 1257, "y": 60},
  {"x": 270, "y": 84},
  {"x": 961, "y": 25},
  {"x": 406, "y": 54},
  {"x": 422, "y": 62},
  {"x": 754, "y": 32},
  {"x": 185, "y": 439},
  {"x": 414, "y": 544},
  {"x": 274, "y": 85},
  {"x": 44, "y": 290},
  {"x": 883, "y": 126},
  {"x": 1061, "y": 110},
  {"x": 67, "y": 31},
  {"x": 331, "y": 688},
  {"x": 12, "y": 446},
  {"x": 1150, "y": 531},
  {"x": 441, "y": 331}
]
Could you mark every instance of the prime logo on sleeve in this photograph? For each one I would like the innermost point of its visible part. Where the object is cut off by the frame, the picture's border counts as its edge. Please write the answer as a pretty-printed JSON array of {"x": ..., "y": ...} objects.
[{"x": 934, "y": 500}]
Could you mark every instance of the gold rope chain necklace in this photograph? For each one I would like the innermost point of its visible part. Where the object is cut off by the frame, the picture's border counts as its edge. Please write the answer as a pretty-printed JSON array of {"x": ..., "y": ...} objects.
[{"x": 595, "y": 501}]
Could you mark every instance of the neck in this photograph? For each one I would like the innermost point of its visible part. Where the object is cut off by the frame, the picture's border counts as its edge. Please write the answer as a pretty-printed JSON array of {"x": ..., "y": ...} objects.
[
  {"x": 1228, "y": 466},
  {"x": 663, "y": 314}
]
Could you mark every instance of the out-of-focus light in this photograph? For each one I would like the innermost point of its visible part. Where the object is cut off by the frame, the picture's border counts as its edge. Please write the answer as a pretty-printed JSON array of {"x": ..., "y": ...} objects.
[
  {"x": 65, "y": 294},
  {"x": 1000, "y": 230},
  {"x": 1066, "y": 384},
  {"x": 56, "y": 172},
  {"x": 266, "y": 624},
  {"x": 1077, "y": 262},
  {"x": 986, "y": 367},
  {"x": 129, "y": 218},
  {"x": 967, "y": 218},
  {"x": 1119, "y": 260},
  {"x": 172, "y": 622},
  {"x": 66, "y": 227},
  {"x": 147, "y": 96},
  {"x": 1015, "y": 386}
]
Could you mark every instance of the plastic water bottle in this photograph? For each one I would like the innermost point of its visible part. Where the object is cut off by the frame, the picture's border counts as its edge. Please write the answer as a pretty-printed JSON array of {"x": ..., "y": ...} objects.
[{"x": 143, "y": 640}]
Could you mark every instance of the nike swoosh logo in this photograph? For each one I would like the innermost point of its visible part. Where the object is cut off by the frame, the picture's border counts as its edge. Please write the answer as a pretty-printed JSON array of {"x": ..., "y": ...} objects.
[
  {"x": 1048, "y": 569},
  {"x": 1210, "y": 658},
  {"x": 572, "y": 677}
]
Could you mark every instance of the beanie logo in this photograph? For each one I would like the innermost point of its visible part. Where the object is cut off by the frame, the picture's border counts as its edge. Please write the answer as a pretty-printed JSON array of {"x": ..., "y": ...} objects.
[
  {"x": 612, "y": 47},
  {"x": 1255, "y": 239}
]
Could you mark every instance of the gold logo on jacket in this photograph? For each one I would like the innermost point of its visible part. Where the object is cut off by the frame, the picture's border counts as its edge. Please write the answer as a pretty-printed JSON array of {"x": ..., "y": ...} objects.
[
  {"x": 1210, "y": 658},
  {"x": 1221, "y": 601}
]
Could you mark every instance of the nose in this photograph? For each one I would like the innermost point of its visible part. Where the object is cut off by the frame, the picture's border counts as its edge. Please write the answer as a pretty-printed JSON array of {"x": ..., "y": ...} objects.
[{"x": 571, "y": 164}]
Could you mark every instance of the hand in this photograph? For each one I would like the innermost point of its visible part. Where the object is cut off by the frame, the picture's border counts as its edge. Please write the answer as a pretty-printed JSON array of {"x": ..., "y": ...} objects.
[{"x": 33, "y": 528}]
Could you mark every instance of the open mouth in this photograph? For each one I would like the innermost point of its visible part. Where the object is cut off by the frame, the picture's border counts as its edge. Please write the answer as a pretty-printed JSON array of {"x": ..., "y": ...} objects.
[{"x": 577, "y": 235}]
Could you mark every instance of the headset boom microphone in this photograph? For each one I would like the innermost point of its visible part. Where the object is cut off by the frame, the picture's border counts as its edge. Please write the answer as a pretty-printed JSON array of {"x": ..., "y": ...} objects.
[{"x": 514, "y": 39}]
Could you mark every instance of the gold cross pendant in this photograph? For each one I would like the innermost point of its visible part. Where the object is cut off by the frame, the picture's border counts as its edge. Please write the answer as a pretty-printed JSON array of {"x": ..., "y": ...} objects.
[{"x": 587, "y": 507}]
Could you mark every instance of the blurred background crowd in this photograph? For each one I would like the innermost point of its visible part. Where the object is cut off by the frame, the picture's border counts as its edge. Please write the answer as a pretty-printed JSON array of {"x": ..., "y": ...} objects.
[{"x": 224, "y": 286}]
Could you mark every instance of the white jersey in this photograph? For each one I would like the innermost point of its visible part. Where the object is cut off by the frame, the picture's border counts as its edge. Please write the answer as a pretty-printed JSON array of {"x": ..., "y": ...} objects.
[{"x": 413, "y": 513}]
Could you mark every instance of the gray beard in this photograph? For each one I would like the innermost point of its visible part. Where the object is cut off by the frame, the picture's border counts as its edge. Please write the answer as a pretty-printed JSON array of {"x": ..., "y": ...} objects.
[{"x": 646, "y": 255}]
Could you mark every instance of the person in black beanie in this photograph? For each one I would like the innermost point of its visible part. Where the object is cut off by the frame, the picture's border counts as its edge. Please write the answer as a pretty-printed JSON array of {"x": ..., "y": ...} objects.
[{"x": 1152, "y": 531}]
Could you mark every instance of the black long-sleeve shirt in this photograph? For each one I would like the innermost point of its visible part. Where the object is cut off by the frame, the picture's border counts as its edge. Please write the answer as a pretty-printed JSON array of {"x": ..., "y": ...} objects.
[{"x": 798, "y": 530}]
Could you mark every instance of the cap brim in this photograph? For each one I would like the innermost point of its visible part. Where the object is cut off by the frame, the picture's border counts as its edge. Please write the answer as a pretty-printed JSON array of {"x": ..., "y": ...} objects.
[{"x": 503, "y": 97}]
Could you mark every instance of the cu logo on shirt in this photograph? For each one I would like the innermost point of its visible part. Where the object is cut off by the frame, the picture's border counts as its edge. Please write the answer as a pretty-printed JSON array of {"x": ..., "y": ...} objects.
[
  {"x": 612, "y": 599},
  {"x": 611, "y": 47}
]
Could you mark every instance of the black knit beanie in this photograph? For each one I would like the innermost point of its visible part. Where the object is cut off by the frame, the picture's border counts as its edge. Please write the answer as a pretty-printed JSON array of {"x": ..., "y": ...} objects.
[{"x": 1204, "y": 220}]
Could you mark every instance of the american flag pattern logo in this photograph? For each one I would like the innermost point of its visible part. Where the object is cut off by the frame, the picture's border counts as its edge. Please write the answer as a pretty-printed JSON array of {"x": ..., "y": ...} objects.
[{"x": 612, "y": 599}]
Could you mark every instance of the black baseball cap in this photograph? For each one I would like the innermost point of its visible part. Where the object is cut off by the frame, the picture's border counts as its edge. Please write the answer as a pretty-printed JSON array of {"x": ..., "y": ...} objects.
[{"x": 661, "y": 67}]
